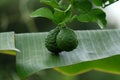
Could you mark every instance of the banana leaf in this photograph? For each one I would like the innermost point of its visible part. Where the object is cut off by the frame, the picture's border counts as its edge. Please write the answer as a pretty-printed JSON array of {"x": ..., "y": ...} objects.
[
  {"x": 7, "y": 43},
  {"x": 93, "y": 45}
]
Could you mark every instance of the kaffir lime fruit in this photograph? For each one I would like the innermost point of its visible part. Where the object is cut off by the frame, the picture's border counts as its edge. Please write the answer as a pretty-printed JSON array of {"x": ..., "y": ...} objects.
[
  {"x": 50, "y": 41},
  {"x": 61, "y": 39},
  {"x": 66, "y": 39}
]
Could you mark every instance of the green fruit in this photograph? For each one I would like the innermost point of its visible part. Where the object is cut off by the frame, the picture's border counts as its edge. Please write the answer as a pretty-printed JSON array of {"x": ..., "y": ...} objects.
[
  {"x": 61, "y": 39},
  {"x": 67, "y": 39},
  {"x": 50, "y": 41}
]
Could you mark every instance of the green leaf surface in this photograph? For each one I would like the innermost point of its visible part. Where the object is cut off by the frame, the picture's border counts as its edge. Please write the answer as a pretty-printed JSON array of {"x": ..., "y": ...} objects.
[
  {"x": 98, "y": 2},
  {"x": 58, "y": 16},
  {"x": 93, "y": 45},
  {"x": 61, "y": 17},
  {"x": 109, "y": 65},
  {"x": 52, "y": 3},
  {"x": 43, "y": 12},
  {"x": 95, "y": 15},
  {"x": 75, "y": 68},
  {"x": 7, "y": 43},
  {"x": 82, "y": 6}
]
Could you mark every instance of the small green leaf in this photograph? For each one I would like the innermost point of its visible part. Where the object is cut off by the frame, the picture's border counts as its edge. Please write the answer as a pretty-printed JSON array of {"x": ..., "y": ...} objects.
[
  {"x": 95, "y": 15},
  {"x": 111, "y": 1},
  {"x": 43, "y": 12},
  {"x": 98, "y": 2},
  {"x": 100, "y": 17},
  {"x": 82, "y": 6},
  {"x": 84, "y": 18},
  {"x": 58, "y": 16},
  {"x": 64, "y": 4},
  {"x": 67, "y": 17},
  {"x": 52, "y": 3},
  {"x": 61, "y": 17}
]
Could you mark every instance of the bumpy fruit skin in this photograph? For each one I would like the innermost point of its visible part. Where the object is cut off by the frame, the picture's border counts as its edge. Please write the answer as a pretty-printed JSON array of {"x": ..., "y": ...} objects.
[
  {"x": 50, "y": 41},
  {"x": 67, "y": 39}
]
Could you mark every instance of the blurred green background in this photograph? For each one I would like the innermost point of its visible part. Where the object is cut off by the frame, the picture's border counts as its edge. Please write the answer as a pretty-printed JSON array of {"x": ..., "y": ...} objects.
[{"x": 15, "y": 16}]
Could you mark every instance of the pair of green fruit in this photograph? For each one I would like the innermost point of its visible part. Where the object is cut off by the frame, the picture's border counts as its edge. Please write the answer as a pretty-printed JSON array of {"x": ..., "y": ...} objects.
[{"x": 61, "y": 39}]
